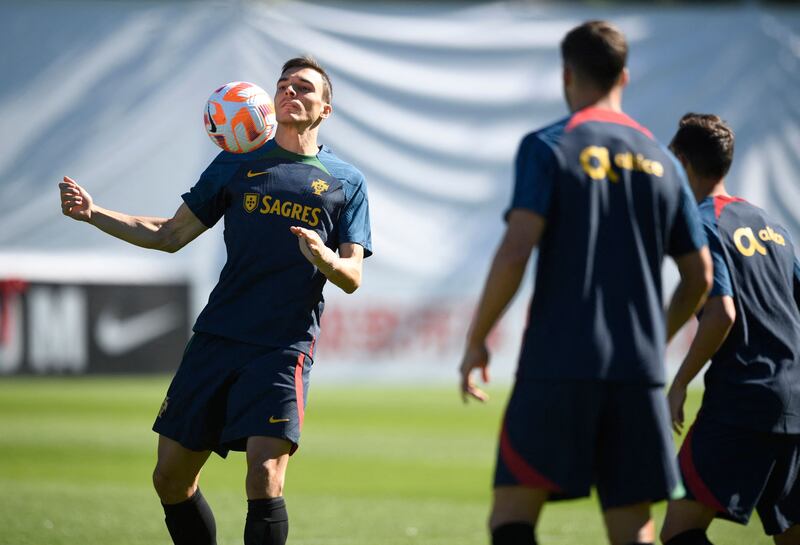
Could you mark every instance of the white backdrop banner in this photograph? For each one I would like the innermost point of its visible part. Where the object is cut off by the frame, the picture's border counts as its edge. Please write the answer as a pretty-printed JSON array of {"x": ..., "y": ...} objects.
[{"x": 430, "y": 101}]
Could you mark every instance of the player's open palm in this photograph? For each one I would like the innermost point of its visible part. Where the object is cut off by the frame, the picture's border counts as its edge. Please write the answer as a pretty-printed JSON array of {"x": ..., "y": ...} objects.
[
  {"x": 311, "y": 245},
  {"x": 75, "y": 200}
]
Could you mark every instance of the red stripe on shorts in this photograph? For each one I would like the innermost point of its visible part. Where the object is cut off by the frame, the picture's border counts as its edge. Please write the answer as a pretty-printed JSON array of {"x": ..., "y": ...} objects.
[
  {"x": 298, "y": 387},
  {"x": 522, "y": 471},
  {"x": 693, "y": 481}
]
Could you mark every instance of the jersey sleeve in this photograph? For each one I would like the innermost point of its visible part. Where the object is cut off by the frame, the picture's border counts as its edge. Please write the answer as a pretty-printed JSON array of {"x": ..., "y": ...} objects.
[
  {"x": 354, "y": 223},
  {"x": 534, "y": 178},
  {"x": 722, "y": 276},
  {"x": 206, "y": 199},
  {"x": 687, "y": 233}
]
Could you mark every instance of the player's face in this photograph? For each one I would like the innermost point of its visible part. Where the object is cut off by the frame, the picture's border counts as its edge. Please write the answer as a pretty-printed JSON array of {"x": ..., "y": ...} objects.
[{"x": 298, "y": 99}]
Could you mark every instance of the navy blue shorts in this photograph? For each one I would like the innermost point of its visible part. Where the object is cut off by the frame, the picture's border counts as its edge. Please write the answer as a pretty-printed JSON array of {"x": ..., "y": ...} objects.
[
  {"x": 567, "y": 436},
  {"x": 226, "y": 391},
  {"x": 735, "y": 470}
]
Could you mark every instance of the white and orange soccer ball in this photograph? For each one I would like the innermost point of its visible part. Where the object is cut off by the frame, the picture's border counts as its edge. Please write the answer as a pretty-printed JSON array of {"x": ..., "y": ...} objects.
[{"x": 240, "y": 117}]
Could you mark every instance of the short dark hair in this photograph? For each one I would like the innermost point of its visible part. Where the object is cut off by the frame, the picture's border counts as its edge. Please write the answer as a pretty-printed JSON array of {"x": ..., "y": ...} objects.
[
  {"x": 307, "y": 61},
  {"x": 597, "y": 50},
  {"x": 706, "y": 142}
]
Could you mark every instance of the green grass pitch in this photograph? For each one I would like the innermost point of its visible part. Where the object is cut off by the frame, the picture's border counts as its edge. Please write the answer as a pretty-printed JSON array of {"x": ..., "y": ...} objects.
[{"x": 378, "y": 466}]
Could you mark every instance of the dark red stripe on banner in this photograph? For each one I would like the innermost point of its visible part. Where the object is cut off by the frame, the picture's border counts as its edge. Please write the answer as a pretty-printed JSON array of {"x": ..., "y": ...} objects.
[
  {"x": 298, "y": 388},
  {"x": 605, "y": 116},
  {"x": 693, "y": 481},
  {"x": 522, "y": 471}
]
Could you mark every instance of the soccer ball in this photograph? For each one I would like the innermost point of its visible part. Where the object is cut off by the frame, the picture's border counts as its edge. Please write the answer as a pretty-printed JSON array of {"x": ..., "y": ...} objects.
[{"x": 240, "y": 117}]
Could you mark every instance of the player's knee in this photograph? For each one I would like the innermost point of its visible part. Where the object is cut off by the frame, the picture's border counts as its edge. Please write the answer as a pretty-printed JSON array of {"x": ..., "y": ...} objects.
[
  {"x": 169, "y": 488},
  {"x": 265, "y": 477}
]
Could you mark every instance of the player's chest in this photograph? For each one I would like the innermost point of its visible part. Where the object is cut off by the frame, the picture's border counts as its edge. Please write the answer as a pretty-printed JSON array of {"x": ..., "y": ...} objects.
[{"x": 296, "y": 194}]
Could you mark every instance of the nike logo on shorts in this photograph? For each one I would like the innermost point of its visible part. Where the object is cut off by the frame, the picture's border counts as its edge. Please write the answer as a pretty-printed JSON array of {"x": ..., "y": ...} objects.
[{"x": 273, "y": 420}]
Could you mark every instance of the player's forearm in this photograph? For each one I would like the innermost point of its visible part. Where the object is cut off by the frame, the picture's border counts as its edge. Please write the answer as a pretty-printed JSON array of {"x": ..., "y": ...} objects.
[
  {"x": 681, "y": 307},
  {"x": 696, "y": 278},
  {"x": 717, "y": 320},
  {"x": 343, "y": 272},
  {"x": 502, "y": 284},
  {"x": 138, "y": 230}
]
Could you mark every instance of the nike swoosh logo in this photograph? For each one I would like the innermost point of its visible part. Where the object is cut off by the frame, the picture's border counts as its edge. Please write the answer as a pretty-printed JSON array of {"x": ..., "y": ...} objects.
[
  {"x": 116, "y": 336},
  {"x": 273, "y": 420},
  {"x": 251, "y": 174}
]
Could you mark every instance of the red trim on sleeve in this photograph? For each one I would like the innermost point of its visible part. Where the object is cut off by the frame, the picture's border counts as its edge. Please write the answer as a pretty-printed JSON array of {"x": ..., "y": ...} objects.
[
  {"x": 298, "y": 388},
  {"x": 721, "y": 201},
  {"x": 522, "y": 471},
  {"x": 693, "y": 481},
  {"x": 605, "y": 116}
]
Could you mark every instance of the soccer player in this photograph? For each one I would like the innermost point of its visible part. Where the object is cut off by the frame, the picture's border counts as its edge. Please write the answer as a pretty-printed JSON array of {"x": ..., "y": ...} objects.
[
  {"x": 288, "y": 208},
  {"x": 605, "y": 203},
  {"x": 743, "y": 450}
]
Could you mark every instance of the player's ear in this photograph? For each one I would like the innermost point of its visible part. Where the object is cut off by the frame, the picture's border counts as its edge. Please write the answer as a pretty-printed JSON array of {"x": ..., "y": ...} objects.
[
  {"x": 326, "y": 111},
  {"x": 624, "y": 77}
]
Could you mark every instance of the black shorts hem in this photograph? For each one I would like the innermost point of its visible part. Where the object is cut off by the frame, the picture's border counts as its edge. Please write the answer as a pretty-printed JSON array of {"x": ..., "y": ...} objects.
[
  {"x": 239, "y": 444},
  {"x": 220, "y": 450}
]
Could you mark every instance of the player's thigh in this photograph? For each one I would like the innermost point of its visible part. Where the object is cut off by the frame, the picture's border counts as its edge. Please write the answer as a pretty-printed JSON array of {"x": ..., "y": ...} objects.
[
  {"x": 268, "y": 399},
  {"x": 683, "y": 515},
  {"x": 779, "y": 504},
  {"x": 193, "y": 412},
  {"x": 635, "y": 459},
  {"x": 726, "y": 468},
  {"x": 547, "y": 437}
]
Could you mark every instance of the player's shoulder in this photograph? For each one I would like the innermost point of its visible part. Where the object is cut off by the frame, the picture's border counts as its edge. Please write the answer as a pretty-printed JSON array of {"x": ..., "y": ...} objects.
[
  {"x": 227, "y": 158},
  {"x": 352, "y": 179},
  {"x": 545, "y": 138},
  {"x": 708, "y": 214}
]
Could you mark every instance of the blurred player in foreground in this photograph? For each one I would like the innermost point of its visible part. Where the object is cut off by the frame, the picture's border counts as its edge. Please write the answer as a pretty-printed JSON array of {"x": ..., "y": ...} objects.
[
  {"x": 743, "y": 450},
  {"x": 605, "y": 203},
  {"x": 288, "y": 207}
]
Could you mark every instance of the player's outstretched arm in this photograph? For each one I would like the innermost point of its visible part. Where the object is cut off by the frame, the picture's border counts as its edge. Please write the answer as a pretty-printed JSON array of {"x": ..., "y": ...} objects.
[
  {"x": 696, "y": 277},
  {"x": 344, "y": 269},
  {"x": 166, "y": 234},
  {"x": 508, "y": 267},
  {"x": 719, "y": 313}
]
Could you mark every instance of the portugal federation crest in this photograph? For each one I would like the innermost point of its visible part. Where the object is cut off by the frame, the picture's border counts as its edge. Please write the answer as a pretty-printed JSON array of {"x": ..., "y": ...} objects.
[
  {"x": 319, "y": 186},
  {"x": 250, "y": 201}
]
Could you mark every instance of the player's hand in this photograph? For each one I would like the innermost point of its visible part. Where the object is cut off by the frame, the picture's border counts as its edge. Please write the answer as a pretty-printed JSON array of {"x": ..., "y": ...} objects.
[
  {"x": 475, "y": 357},
  {"x": 676, "y": 397},
  {"x": 312, "y": 247},
  {"x": 75, "y": 200}
]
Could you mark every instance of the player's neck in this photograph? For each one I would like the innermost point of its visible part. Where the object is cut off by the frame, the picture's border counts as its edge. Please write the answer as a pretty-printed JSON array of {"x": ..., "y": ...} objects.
[
  {"x": 611, "y": 101},
  {"x": 717, "y": 189},
  {"x": 301, "y": 142}
]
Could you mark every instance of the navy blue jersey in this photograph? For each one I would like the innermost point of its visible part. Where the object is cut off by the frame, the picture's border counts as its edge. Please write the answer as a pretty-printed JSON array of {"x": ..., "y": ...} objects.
[
  {"x": 268, "y": 293},
  {"x": 754, "y": 378},
  {"x": 616, "y": 202}
]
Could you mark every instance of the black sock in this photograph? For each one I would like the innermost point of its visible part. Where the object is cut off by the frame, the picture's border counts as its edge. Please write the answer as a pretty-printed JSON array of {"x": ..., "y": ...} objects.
[
  {"x": 267, "y": 522},
  {"x": 191, "y": 522},
  {"x": 695, "y": 536},
  {"x": 514, "y": 533}
]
